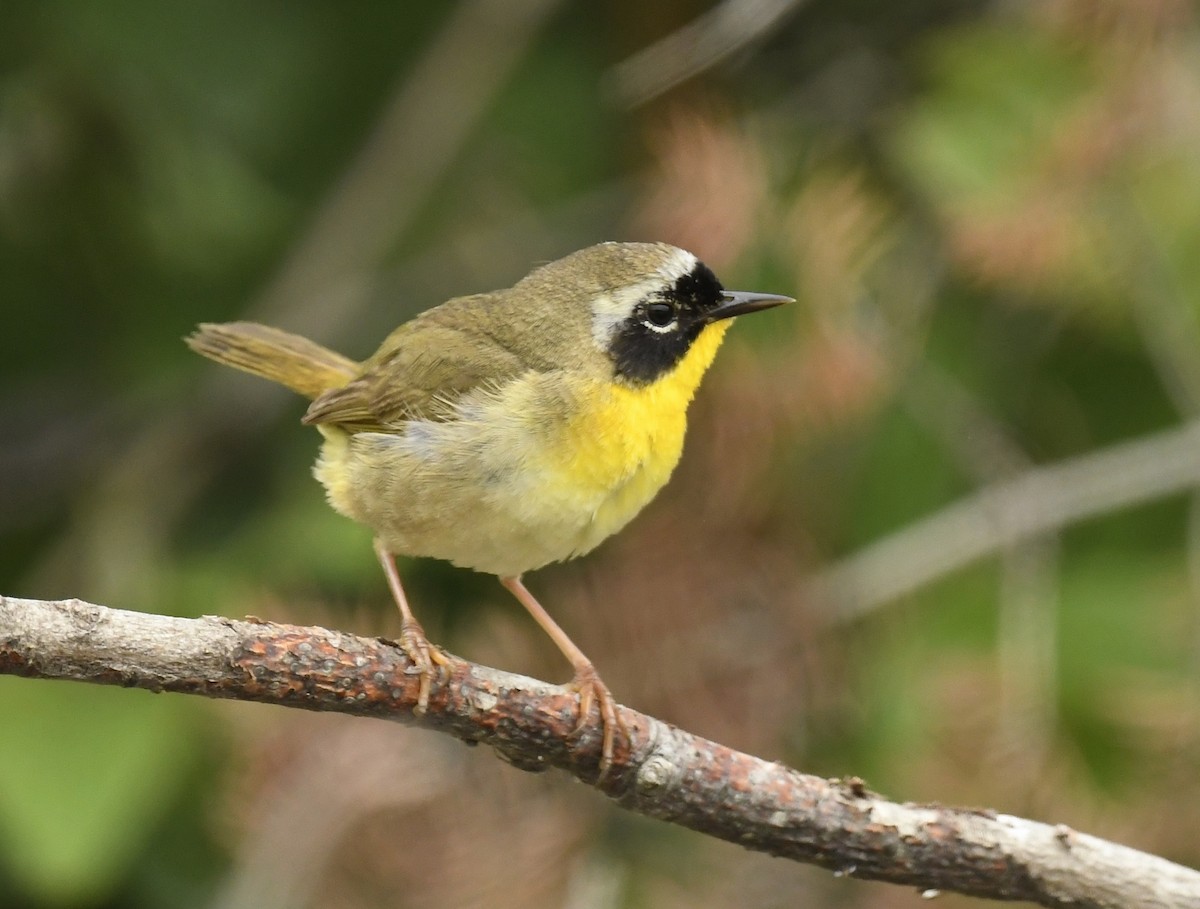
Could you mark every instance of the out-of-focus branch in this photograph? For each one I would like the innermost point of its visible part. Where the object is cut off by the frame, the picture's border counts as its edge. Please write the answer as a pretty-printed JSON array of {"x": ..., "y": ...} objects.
[
  {"x": 703, "y": 43},
  {"x": 1027, "y": 627},
  {"x": 322, "y": 283},
  {"x": 662, "y": 772},
  {"x": 420, "y": 132},
  {"x": 1039, "y": 501}
]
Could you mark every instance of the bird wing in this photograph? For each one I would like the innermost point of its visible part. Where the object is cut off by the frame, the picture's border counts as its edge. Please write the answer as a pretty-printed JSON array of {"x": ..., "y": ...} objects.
[{"x": 420, "y": 372}]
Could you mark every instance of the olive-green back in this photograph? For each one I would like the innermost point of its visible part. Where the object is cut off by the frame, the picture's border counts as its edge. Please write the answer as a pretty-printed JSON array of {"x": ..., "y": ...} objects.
[{"x": 543, "y": 323}]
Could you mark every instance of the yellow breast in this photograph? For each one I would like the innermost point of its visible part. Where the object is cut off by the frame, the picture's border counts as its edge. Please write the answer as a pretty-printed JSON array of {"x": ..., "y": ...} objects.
[
  {"x": 538, "y": 471},
  {"x": 623, "y": 442}
]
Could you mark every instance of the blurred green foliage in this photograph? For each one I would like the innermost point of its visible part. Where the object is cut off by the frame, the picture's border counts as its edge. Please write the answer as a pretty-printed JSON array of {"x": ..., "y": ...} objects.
[{"x": 990, "y": 215}]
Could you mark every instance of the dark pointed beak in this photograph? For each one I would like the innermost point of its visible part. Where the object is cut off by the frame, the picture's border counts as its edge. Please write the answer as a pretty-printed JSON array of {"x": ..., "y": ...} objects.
[{"x": 739, "y": 302}]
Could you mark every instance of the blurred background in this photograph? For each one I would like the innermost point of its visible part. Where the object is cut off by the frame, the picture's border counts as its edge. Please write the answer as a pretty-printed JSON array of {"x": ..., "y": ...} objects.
[{"x": 935, "y": 526}]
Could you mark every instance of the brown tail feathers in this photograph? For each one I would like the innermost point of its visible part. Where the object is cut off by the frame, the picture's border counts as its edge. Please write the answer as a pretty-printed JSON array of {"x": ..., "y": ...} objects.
[{"x": 288, "y": 359}]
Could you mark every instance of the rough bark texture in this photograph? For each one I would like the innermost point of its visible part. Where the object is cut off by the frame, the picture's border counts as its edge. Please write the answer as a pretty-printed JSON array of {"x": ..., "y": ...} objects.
[{"x": 662, "y": 772}]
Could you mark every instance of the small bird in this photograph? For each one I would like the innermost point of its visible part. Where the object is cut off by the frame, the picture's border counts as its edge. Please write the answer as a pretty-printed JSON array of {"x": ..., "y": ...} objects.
[{"x": 507, "y": 430}]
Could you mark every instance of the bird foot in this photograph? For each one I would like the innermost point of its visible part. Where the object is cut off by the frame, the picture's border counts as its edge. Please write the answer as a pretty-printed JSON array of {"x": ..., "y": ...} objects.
[
  {"x": 592, "y": 690},
  {"x": 427, "y": 660}
]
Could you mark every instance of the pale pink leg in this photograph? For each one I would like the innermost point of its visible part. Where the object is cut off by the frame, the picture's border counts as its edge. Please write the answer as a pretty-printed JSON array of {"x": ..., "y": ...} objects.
[
  {"x": 423, "y": 654},
  {"x": 586, "y": 680}
]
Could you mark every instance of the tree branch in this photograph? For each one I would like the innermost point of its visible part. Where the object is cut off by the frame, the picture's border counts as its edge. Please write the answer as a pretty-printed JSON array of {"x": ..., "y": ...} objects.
[
  {"x": 1040, "y": 500},
  {"x": 663, "y": 772},
  {"x": 708, "y": 40}
]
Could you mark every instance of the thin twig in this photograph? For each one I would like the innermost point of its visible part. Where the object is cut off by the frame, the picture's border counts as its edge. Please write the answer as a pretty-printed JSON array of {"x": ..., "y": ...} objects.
[
  {"x": 1039, "y": 501},
  {"x": 419, "y": 134},
  {"x": 661, "y": 772},
  {"x": 1027, "y": 614},
  {"x": 700, "y": 45},
  {"x": 322, "y": 284}
]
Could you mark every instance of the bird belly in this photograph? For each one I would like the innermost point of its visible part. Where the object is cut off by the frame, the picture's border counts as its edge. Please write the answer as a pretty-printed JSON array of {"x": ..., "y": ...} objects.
[{"x": 518, "y": 478}]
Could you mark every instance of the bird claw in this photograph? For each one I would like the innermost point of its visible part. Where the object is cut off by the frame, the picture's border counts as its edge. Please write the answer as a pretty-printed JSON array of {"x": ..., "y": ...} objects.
[
  {"x": 592, "y": 690},
  {"x": 427, "y": 660}
]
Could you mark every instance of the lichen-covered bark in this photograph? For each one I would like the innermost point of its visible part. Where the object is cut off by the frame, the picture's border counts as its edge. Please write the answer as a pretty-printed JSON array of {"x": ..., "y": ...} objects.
[{"x": 660, "y": 771}]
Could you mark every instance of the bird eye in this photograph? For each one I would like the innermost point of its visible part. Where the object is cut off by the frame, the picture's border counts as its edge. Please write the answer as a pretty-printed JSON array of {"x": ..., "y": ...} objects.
[{"x": 660, "y": 314}]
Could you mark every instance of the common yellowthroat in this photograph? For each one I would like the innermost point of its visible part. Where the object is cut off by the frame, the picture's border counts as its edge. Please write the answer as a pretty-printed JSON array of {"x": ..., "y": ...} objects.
[{"x": 507, "y": 430}]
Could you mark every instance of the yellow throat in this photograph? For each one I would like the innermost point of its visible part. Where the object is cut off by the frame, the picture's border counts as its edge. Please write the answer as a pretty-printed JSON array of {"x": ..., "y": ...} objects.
[{"x": 625, "y": 440}]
